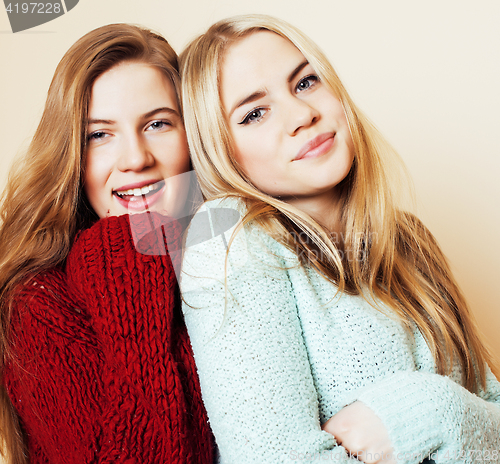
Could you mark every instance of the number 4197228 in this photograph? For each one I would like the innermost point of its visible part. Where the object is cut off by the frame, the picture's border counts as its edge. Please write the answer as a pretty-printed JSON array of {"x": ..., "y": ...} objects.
[{"x": 36, "y": 8}]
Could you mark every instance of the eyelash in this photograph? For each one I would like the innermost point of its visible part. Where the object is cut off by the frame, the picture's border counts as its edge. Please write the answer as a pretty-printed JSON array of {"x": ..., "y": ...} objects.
[
  {"x": 312, "y": 77},
  {"x": 99, "y": 135},
  {"x": 246, "y": 120},
  {"x": 162, "y": 122}
]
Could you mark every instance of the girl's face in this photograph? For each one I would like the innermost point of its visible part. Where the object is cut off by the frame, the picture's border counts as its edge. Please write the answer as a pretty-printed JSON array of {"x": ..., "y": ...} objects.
[
  {"x": 136, "y": 143},
  {"x": 290, "y": 132}
]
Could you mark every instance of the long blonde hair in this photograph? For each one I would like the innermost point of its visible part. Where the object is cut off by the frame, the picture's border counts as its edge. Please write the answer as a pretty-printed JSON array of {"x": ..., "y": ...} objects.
[
  {"x": 385, "y": 254},
  {"x": 43, "y": 205}
]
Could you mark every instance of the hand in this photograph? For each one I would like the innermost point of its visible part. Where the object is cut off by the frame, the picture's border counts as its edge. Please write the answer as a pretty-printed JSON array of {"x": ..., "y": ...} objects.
[{"x": 361, "y": 433}]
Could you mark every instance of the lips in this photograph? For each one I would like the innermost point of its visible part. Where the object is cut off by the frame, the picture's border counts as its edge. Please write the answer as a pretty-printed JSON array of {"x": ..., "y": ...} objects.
[
  {"x": 139, "y": 196},
  {"x": 317, "y": 146}
]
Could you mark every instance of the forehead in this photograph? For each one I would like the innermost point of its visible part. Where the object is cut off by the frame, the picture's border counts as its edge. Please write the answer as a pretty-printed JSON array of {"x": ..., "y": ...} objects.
[
  {"x": 257, "y": 49},
  {"x": 256, "y": 62},
  {"x": 132, "y": 85}
]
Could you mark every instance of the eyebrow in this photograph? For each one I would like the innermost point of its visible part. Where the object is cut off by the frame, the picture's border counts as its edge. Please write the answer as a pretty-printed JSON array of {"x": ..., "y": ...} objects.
[
  {"x": 262, "y": 93},
  {"x": 299, "y": 68},
  {"x": 164, "y": 109},
  {"x": 251, "y": 98},
  {"x": 99, "y": 121}
]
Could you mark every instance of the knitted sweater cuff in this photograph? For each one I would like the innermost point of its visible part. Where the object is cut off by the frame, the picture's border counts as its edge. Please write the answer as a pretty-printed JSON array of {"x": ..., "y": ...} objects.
[{"x": 413, "y": 408}]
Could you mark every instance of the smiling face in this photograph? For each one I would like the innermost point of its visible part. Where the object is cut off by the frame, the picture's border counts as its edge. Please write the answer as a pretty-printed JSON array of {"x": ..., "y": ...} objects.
[
  {"x": 136, "y": 143},
  {"x": 290, "y": 133}
]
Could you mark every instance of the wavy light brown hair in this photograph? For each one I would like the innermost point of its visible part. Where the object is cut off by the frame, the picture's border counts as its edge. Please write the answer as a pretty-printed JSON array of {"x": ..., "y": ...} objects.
[
  {"x": 43, "y": 205},
  {"x": 384, "y": 254}
]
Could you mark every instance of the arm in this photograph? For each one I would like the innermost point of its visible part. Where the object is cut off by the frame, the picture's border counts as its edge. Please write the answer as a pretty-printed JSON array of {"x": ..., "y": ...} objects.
[
  {"x": 425, "y": 412},
  {"x": 52, "y": 390},
  {"x": 253, "y": 366}
]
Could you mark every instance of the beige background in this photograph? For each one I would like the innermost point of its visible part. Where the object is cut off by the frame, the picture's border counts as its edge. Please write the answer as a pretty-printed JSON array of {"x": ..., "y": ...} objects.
[{"x": 427, "y": 72}]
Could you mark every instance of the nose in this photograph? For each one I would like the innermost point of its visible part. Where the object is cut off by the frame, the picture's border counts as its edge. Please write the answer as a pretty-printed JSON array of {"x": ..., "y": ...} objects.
[
  {"x": 135, "y": 154},
  {"x": 300, "y": 114}
]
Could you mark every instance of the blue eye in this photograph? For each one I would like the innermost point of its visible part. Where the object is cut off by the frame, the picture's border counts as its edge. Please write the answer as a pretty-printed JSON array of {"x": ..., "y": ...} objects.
[
  {"x": 307, "y": 82},
  {"x": 158, "y": 125},
  {"x": 98, "y": 135},
  {"x": 253, "y": 116}
]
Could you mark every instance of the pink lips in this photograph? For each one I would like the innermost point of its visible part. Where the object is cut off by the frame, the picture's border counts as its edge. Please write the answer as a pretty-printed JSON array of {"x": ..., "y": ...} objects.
[{"x": 317, "y": 146}]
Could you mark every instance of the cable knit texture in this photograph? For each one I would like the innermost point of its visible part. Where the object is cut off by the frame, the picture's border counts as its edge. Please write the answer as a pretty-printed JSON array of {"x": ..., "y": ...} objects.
[
  {"x": 103, "y": 369},
  {"x": 279, "y": 352}
]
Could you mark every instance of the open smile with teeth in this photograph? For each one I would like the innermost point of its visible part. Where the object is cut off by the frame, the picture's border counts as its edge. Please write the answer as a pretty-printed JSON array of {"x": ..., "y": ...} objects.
[{"x": 137, "y": 193}]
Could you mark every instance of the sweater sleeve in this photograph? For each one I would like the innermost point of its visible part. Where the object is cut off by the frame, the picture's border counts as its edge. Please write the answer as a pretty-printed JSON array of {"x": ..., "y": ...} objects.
[
  {"x": 427, "y": 414},
  {"x": 247, "y": 340},
  {"x": 45, "y": 378}
]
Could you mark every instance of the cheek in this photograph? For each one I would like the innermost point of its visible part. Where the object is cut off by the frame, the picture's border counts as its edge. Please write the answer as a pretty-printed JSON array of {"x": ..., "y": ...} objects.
[
  {"x": 90, "y": 176},
  {"x": 97, "y": 168},
  {"x": 337, "y": 113},
  {"x": 247, "y": 162},
  {"x": 175, "y": 155},
  {"x": 259, "y": 167},
  {"x": 251, "y": 152},
  {"x": 94, "y": 179},
  {"x": 180, "y": 160}
]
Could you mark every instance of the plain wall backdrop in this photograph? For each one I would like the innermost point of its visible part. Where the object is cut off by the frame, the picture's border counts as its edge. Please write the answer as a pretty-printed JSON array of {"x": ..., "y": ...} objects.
[{"x": 427, "y": 73}]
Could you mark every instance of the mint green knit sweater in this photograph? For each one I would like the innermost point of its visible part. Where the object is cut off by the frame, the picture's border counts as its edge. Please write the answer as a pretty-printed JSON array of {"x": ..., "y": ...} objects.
[{"x": 279, "y": 352}]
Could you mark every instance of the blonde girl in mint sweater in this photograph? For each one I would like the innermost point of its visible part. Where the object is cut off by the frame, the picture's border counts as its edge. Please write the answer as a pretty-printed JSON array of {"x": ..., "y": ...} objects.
[{"x": 325, "y": 322}]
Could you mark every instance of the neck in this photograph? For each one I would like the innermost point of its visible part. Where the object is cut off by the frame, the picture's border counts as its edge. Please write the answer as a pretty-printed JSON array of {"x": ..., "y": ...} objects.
[{"x": 324, "y": 209}]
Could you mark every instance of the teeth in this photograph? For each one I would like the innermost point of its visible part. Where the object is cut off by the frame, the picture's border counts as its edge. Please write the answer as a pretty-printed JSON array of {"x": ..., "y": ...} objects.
[{"x": 137, "y": 192}]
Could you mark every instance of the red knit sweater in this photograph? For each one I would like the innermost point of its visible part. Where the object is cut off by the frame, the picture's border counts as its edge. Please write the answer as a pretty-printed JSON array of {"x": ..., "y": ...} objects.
[{"x": 103, "y": 369}]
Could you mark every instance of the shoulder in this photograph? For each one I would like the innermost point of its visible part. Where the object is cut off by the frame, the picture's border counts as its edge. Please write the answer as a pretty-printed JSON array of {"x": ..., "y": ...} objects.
[
  {"x": 411, "y": 228},
  {"x": 42, "y": 305},
  {"x": 215, "y": 217},
  {"x": 219, "y": 229},
  {"x": 224, "y": 218},
  {"x": 228, "y": 202},
  {"x": 223, "y": 254},
  {"x": 46, "y": 285},
  {"x": 44, "y": 324}
]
